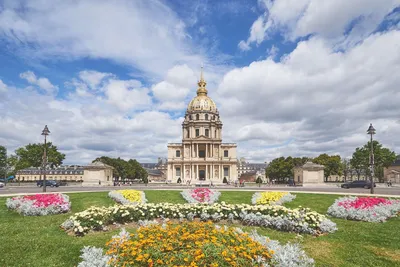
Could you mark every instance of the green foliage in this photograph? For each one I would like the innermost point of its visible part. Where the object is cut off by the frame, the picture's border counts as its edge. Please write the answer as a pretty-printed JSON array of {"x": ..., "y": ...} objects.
[
  {"x": 383, "y": 158},
  {"x": 179, "y": 180},
  {"x": 259, "y": 180},
  {"x": 3, "y": 162},
  {"x": 225, "y": 181},
  {"x": 282, "y": 168},
  {"x": 333, "y": 164},
  {"x": 31, "y": 155},
  {"x": 130, "y": 169}
]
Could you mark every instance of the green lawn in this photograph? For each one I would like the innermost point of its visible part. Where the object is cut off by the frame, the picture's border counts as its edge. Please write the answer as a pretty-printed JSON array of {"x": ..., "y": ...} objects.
[{"x": 38, "y": 241}]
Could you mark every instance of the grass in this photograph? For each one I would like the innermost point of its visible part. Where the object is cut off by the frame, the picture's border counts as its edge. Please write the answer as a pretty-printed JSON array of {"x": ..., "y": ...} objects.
[{"x": 38, "y": 241}]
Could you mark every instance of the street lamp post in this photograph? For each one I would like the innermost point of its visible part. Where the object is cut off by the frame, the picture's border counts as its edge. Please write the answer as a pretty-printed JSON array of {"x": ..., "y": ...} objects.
[
  {"x": 45, "y": 132},
  {"x": 371, "y": 132}
]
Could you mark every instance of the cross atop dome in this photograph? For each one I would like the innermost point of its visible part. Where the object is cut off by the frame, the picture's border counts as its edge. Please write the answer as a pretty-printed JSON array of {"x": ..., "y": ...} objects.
[{"x": 202, "y": 84}]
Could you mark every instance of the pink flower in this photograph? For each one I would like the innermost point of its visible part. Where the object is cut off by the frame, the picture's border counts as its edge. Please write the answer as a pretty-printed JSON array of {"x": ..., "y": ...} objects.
[{"x": 364, "y": 203}]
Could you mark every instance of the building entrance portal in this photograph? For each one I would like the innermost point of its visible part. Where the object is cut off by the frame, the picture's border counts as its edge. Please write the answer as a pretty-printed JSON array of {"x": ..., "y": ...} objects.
[{"x": 202, "y": 175}]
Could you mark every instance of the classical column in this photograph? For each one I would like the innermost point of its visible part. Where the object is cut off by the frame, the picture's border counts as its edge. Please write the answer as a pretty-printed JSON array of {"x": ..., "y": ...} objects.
[
  {"x": 207, "y": 177},
  {"x": 191, "y": 171},
  {"x": 206, "y": 150},
  {"x": 212, "y": 171},
  {"x": 197, "y": 150}
]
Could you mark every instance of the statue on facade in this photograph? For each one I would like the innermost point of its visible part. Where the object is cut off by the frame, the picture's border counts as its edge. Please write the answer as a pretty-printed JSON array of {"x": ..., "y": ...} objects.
[
  {"x": 216, "y": 152},
  {"x": 187, "y": 152},
  {"x": 187, "y": 174},
  {"x": 216, "y": 173}
]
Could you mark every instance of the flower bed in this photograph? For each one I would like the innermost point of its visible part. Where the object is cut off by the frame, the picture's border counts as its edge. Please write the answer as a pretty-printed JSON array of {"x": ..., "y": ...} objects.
[
  {"x": 194, "y": 244},
  {"x": 300, "y": 220},
  {"x": 272, "y": 198},
  {"x": 201, "y": 195},
  {"x": 367, "y": 209},
  {"x": 128, "y": 196},
  {"x": 39, "y": 204}
]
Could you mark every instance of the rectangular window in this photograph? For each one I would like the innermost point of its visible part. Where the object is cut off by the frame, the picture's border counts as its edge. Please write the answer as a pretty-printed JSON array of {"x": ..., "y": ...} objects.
[
  {"x": 225, "y": 153},
  {"x": 178, "y": 153},
  {"x": 178, "y": 171},
  {"x": 202, "y": 154},
  {"x": 197, "y": 132},
  {"x": 226, "y": 171},
  {"x": 207, "y": 132}
]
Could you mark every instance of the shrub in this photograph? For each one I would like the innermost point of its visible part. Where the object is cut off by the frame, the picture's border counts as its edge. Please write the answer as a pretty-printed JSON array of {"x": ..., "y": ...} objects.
[
  {"x": 272, "y": 198},
  {"x": 179, "y": 180},
  {"x": 201, "y": 195},
  {"x": 225, "y": 181},
  {"x": 128, "y": 196},
  {"x": 39, "y": 204}
]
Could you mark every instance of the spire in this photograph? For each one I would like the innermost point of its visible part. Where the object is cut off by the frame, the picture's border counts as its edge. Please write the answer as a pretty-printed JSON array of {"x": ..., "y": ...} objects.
[{"x": 202, "y": 84}]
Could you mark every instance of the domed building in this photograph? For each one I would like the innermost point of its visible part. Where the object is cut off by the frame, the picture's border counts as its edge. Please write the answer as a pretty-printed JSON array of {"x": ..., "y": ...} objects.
[{"x": 202, "y": 157}]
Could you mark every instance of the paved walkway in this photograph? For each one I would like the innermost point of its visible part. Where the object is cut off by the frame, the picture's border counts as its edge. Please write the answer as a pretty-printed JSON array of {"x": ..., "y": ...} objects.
[{"x": 385, "y": 192}]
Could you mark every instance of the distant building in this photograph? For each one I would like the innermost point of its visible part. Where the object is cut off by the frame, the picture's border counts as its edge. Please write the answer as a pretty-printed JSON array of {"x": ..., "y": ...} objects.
[
  {"x": 309, "y": 173},
  {"x": 392, "y": 173},
  {"x": 96, "y": 173},
  {"x": 202, "y": 157},
  {"x": 251, "y": 171}
]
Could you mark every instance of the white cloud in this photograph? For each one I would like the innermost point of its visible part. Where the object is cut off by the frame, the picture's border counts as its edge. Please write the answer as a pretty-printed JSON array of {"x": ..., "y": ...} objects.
[
  {"x": 3, "y": 87},
  {"x": 327, "y": 19},
  {"x": 322, "y": 99},
  {"x": 127, "y": 95},
  {"x": 93, "y": 78},
  {"x": 144, "y": 34},
  {"x": 42, "y": 83}
]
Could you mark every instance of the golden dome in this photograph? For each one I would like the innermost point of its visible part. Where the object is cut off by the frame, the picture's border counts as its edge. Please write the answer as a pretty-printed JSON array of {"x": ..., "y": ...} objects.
[{"x": 202, "y": 102}]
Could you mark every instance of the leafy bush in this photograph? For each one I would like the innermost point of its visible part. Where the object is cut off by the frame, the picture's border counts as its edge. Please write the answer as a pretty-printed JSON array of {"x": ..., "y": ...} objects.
[{"x": 225, "y": 181}]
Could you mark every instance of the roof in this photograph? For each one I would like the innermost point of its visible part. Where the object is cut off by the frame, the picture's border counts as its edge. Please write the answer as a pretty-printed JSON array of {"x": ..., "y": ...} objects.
[{"x": 311, "y": 165}]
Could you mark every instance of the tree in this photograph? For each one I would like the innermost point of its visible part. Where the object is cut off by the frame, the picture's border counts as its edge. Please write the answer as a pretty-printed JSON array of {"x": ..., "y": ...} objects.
[
  {"x": 259, "y": 181},
  {"x": 32, "y": 156},
  {"x": 332, "y": 164},
  {"x": 280, "y": 169},
  {"x": 130, "y": 169},
  {"x": 346, "y": 168},
  {"x": 3, "y": 162},
  {"x": 383, "y": 158}
]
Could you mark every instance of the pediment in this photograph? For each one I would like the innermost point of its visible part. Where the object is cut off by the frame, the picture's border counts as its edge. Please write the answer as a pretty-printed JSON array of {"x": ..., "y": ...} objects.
[{"x": 203, "y": 137}]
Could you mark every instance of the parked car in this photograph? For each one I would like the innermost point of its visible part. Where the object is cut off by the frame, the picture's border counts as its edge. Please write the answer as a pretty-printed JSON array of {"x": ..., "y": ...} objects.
[
  {"x": 1, "y": 185},
  {"x": 357, "y": 184},
  {"x": 51, "y": 183}
]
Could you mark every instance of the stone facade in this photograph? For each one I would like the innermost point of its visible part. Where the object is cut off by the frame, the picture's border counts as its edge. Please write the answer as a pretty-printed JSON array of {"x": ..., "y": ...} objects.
[
  {"x": 89, "y": 175},
  {"x": 201, "y": 157},
  {"x": 392, "y": 173},
  {"x": 309, "y": 173}
]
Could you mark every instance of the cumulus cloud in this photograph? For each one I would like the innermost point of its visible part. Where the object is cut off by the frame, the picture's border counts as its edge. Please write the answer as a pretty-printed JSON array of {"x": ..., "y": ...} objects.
[
  {"x": 145, "y": 34},
  {"x": 3, "y": 87},
  {"x": 42, "y": 83},
  {"x": 343, "y": 22},
  {"x": 321, "y": 98}
]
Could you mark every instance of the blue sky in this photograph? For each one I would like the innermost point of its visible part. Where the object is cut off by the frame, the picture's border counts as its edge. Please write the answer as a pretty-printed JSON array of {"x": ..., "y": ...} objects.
[{"x": 116, "y": 77}]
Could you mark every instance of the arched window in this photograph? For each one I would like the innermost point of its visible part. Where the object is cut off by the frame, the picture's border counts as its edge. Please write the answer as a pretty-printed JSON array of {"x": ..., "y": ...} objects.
[
  {"x": 197, "y": 117},
  {"x": 206, "y": 117}
]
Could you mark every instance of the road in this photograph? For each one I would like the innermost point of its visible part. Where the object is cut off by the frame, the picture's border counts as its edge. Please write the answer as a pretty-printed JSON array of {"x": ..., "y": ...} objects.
[{"x": 390, "y": 191}]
